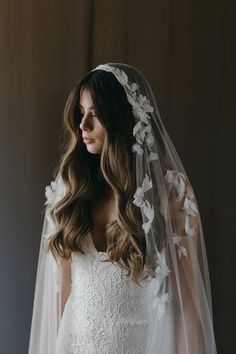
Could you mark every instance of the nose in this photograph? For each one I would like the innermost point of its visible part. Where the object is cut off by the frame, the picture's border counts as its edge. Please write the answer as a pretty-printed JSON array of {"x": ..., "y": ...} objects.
[{"x": 84, "y": 124}]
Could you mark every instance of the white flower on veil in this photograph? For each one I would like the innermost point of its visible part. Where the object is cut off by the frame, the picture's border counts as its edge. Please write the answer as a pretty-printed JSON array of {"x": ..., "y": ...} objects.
[
  {"x": 139, "y": 194},
  {"x": 190, "y": 231},
  {"x": 149, "y": 139},
  {"x": 162, "y": 269},
  {"x": 190, "y": 207},
  {"x": 180, "y": 187},
  {"x": 182, "y": 251},
  {"x": 153, "y": 156},
  {"x": 161, "y": 303},
  {"x": 144, "y": 204},
  {"x": 53, "y": 192},
  {"x": 141, "y": 107},
  {"x": 137, "y": 148},
  {"x": 50, "y": 192},
  {"x": 176, "y": 239},
  {"x": 149, "y": 212}
]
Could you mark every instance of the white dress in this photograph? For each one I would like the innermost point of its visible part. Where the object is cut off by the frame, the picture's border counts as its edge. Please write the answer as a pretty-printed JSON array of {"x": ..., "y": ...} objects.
[{"x": 105, "y": 312}]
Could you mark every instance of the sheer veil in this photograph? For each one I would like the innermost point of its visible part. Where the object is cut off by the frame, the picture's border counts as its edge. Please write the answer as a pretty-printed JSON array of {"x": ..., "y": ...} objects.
[
  {"x": 178, "y": 284},
  {"x": 48, "y": 289}
]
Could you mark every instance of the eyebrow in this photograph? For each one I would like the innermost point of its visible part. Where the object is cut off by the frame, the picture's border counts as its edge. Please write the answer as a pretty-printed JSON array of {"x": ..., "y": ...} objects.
[{"x": 92, "y": 107}]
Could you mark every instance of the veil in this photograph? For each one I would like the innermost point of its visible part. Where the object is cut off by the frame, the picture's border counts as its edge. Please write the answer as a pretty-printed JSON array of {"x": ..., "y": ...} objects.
[
  {"x": 178, "y": 283},
  {"x": 47, "y": 309}
]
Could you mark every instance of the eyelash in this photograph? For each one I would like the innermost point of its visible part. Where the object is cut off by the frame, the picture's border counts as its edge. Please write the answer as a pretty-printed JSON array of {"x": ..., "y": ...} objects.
[{"x": 93, "y": 115}]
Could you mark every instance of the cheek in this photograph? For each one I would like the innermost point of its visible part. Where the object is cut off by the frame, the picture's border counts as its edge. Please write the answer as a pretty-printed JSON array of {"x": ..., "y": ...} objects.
[{"x": 101, "y": 133}]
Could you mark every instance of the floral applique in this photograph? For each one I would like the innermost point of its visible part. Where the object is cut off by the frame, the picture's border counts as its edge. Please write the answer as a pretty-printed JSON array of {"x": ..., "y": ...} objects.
[
  {"x": 160, "y": 297},
  {"x": 161, "y": 304},
  {"x": 141, "y": 109},
  {"x": 189, "y": 207},
  {"x": 144, "y": 204},
  {"x": 53, "y": 193},
  {"x": 142, "y": 131},
  {"x": 50, "y": 192}
]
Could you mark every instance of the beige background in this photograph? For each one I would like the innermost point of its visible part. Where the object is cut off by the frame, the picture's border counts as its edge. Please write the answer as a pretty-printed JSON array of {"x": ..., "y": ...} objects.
[{"x": 185, "y": 48}]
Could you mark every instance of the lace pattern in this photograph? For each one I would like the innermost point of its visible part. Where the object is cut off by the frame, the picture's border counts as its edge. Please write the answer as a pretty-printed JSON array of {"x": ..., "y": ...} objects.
[{"x": 105, "y": 312}]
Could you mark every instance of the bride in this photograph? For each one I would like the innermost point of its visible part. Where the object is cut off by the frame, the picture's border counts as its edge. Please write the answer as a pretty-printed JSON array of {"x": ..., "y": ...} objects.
[{"x": 122, "y": 263}]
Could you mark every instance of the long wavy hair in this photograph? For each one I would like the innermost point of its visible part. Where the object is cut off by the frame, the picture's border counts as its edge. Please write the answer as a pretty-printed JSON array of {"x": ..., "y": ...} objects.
[{"x": 89, "y": 176}]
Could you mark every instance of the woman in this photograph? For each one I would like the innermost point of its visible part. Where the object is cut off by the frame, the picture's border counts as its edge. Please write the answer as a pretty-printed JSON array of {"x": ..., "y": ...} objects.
[{"x": 122, "y": 263}]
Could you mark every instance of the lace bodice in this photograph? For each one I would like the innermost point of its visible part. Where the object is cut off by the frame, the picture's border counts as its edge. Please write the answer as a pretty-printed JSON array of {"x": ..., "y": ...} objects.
[{"x": 105, "y": 312}]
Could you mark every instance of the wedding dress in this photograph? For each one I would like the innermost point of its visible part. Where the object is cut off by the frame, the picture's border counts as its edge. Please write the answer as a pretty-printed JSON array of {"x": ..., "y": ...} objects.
[{"x": 105, "y": 313}]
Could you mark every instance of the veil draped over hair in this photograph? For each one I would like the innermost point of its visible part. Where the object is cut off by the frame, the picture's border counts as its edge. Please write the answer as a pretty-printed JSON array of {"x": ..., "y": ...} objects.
[{"x": 178, "y": 285}]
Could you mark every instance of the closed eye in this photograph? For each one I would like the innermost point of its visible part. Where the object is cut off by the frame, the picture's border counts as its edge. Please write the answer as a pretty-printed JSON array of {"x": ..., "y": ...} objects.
[{"x": 82, "y": 114}]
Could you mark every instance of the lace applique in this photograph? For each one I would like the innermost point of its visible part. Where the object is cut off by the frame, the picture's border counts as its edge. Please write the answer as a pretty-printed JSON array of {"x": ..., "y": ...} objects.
[
  {"x": 143, "y": 133},
  {"x": 144, "y": 203},
  {"x": 157, "y": 285},
  {"x": 186, "y": 195},
  {"x": 53, "y": 193},
  {"x": 141, "y": 109}
]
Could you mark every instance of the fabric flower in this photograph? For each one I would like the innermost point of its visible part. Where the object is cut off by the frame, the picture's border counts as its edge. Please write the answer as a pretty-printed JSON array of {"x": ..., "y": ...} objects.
[
  {"x": 190, "y": 231},
  {"x": 170, "y": 176},
  {"x": 139, "y": 194},
  {"x": 138, "y": 197},
  {"x": 144, "y": 103},
  {"x": 134, "y": 87},
  {"x": 139, "y": 112},
  {"x": 149, "y": 212},
  {"x": 178, "y": 182},
  {"x": 182, "y": 251},
  {"x": 50, "y": 192},
  {"x": 137, "y": 127},
  {"x": 123, "y": 79},
  {"x": 190, "y": 207},
  {"x": 162, "y": 270},
  {"x": 176, "y": 239},
  {"x": 149, "y": 139},
  {"x": 153, "y": 156},
  {"x": 140, "y": 130},
  {"x": 180, "y": 187},
  {"x": 143, "y": 203},
  {"x": 141, "y": 107},
  {"x": 137, "y": 148},
  {"x": 190, "y": 193},
  {"x": 54, "y": 193},
  {"x": 160, "y": 303}
]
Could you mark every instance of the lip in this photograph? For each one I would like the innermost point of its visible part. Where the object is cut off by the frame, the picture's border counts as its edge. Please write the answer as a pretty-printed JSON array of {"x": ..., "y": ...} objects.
[{"x": 87, "y": 140}]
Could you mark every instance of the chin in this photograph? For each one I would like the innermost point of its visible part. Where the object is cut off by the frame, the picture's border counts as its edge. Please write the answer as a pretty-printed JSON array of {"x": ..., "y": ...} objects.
[{"x": 94, "y": 151}]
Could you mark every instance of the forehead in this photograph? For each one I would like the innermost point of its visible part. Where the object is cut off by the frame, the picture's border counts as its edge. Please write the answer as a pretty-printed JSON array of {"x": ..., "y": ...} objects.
[{"x": 85, "y": 99}]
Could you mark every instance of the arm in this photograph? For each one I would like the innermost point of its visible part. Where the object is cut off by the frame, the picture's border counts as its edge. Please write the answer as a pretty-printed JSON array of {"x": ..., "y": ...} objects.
[
  {"x": 66, "y": 282},
  {"x": 186, "y": 279}
]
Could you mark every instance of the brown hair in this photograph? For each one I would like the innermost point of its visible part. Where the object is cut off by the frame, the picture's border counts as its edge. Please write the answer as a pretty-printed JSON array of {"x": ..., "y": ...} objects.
[{"x": 87, "y": 176}]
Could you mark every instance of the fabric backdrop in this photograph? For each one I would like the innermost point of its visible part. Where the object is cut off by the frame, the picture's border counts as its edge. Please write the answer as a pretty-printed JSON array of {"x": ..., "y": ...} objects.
[{"x": 186, "y": 50}]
